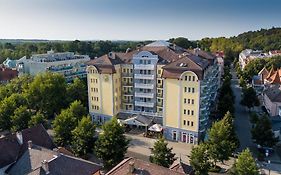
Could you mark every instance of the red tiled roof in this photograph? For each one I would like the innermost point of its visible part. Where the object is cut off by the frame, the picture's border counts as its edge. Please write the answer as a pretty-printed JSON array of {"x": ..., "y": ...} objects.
[
  {"x": 140, "y": 167},
  {"x": 7, "y": 74}
]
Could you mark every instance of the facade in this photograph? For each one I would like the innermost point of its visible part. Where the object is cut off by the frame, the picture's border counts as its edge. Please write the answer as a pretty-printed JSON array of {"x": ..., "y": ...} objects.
[
  {"x": 67, "y": 64},
  {"x": 248, "y": 55},
  {"x": 272, "y": 100},
  {"x": 173, "y": 86},
  {"x": 6, "y": 74}
]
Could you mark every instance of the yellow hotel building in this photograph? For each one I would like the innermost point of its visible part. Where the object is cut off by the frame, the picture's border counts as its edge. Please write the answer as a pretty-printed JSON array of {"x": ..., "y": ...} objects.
[{"x": 161, "y": 82}]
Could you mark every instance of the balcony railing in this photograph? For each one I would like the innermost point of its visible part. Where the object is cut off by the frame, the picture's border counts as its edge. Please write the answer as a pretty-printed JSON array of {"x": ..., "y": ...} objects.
[
  {"x": 144, "y": 104},
  {"x": 144, "y": 76},
  {"x": 144, "y": 95},
  {"x": 144, "y": 66},
  {"x": 144, "y": 86}
]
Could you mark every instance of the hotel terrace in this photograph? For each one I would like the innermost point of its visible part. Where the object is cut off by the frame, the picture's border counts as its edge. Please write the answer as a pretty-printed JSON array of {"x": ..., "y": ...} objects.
[{"x": 159, "y": 82}]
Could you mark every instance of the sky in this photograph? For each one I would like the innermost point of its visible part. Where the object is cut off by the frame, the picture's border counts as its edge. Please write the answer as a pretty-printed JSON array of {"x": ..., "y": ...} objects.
[{"x": 134, "y": 19}]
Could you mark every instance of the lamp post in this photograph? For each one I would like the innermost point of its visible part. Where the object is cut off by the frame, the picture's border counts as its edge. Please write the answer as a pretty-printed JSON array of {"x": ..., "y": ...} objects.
[{"x": 268, "y": 163}]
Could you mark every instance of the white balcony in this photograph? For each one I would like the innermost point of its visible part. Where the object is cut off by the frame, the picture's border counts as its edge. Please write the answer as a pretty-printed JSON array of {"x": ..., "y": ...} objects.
[
  {"x": 143, "y": 86},
  {"x": 144, "y": 76},
  {"x": 144, "y": 66},
  {"x": 144, "y": 104},
  {"x": 144, "y": 95}
]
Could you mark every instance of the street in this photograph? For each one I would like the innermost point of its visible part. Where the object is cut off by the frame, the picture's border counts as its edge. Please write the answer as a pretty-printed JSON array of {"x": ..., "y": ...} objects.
[{"x": 243, "y": 128}]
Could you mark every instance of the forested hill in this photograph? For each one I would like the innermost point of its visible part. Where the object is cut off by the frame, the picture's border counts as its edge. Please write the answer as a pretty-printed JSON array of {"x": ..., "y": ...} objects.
[{"x": 264, "y": 39}]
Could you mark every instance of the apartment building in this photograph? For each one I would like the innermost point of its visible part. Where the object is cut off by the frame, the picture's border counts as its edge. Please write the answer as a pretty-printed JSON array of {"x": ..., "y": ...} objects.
[
  {"x": 248, "y": 55},
  {"x": 173, "y": 86},
  {"x": 67, "y": 63}
]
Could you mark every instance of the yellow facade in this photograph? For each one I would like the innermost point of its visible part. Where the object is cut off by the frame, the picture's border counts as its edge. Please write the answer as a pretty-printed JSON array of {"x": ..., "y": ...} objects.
[
  {"x": 104, "y": 91},
  {"x": 182, "y": 102}
]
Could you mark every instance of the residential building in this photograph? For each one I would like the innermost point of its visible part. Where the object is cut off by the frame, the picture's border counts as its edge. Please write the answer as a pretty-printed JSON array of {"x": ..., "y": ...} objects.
[
  {"x": 13, "y": 145},
  {"x": 267, "y": 78},
  {"x": 66, "y": 63},
  {"x": 248, "y": 55},
  {"x": 135, "y": 166},
  {"x": 272, "y": 100},
  {"x": 39, "y": 160},
  {"x": 9, "y": 63},
  {"x": 6, "y": 74},
  {"x": 273, "y": 53},
  {"x": 173, "y": 86}
]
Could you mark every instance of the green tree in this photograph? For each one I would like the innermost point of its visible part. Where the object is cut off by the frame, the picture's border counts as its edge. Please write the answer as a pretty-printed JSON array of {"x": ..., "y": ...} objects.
[
  {"x": 183, "y": 42},
  {"x": 199, "y": 160},
  {"x": 249, "y": 98},
  {"x": 66, "y": 121},
  {"x": 38, "y": 118},
  {"x": 63, "y": 124},
  {"x": 242, "y": 83},
  {"x": 161, "y": 154},
  {"x": 83, "y": 134},
  {"x": 262, "y": 132},
  {"x": 112, "y": 144},
  {"x": 20, "y": 118},
  {"x": 245, "y": 164},
  {"x": 46, "y": 93},
  {"x": 77, "y": 91},
  {"x": 221, "y": 143},
  {"x": 7, "y": 108}
]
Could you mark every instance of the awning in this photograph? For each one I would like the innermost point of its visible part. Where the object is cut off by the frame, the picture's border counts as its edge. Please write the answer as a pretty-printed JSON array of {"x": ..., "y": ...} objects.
[{"x": 155, "y": 128}]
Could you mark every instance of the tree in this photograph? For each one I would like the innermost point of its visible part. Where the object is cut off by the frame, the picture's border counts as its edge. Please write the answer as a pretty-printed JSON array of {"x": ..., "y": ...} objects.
[
  {"x": 161, "y": 154},
  {"x": 112, "y": 144},
  {"x": 20, "y": 118},
  {"x": 66, "y": 121},
  {"x": 262, "y": 132},
  {"x": 221, "y": 143},
  {"x": 245, "y": 164},
  {"x": 199, "y": 159},
  {"x": 83, "y": 134},
  {"x": 229, "y": 120},
  {"x": 249, "y": 98},
  {"x": 242, "y": 83},
  {"x": 77, "y": 91},
  {"x": 63, "y": 124},
  {"x": 183, "y": 42},
  {"x": 46, "y": 93},
  {"x": 7, "y": 108},
  {"x": 36, "y": 119}
]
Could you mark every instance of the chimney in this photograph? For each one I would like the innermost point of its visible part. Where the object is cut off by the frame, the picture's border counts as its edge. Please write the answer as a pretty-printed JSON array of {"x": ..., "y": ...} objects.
[
  {"x": 19, "y": 137},
  {"x": 29, "y": 144},
  {"x": 196, "y": 51},
  {"x": 111, "y": 55},
  {"x": 131, "y": 167},
  {"x": 45, "y": 166}
]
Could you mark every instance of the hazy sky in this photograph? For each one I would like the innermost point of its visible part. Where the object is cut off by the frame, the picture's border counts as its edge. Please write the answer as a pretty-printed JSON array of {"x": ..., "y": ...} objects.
[{"x": 134, "y": 19}]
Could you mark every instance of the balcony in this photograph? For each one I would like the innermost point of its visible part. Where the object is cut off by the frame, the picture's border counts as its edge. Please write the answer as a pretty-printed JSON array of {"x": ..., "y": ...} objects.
[
  {"x": 127, "y": 83},
  {"x": 160, "y": 103},
  {"x": 144, "y": 104},
  {"x": 143, "y": 86},
  {"x": 128, "y": 92},
  {"x": 126, "y": 74},
  {"x": 127, "y": 101},
  {"x": 202, "y": 128},
  {"x": 160, "y": 94},
  {"x": 144, "y": 95},
  {"x": 144, "y": 66},
  {"x": 144, "y": 76}
]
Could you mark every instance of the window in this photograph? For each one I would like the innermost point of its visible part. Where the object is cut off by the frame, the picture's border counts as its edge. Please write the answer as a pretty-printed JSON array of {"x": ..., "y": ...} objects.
[
  {"x": 193, "y": 78},
  {"x": 187, "y": 123},
  {"x": 159, "y": 81},
  {"x": 188, "y": 101},
  {"x": 192, "y": 101},
  {"x": 189, "y": 78},
  {"x": 184, "y": 111},
  {"x": 191, "y": 123},
  {"x": 184, "y": 122},
  {"x": 185, "y": 89},
  {"x": 192, "y": 112},
  {"x": 184, "y": 101},
  {"x": 92, "y": 98},
  {"x": 188, "y": 112},
  {"x": 159, "y": 71},
  {"x": 92, "y": 89},
  {"x": 193, "y": 90},
  {"x": 185, "y": 78},
  {"x": 189, "y": 89},
  {"x": 174, "y": 135}
]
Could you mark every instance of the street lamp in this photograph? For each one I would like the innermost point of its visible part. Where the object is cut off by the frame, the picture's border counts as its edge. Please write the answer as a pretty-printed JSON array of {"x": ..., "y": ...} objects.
[{"x": 268, "y": 163}]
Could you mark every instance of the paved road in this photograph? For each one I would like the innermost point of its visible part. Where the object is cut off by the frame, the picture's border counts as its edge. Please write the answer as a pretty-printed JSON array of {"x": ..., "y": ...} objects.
[
  {"x": 243, "y": 128},
  {"x": 241, "y": 121}
]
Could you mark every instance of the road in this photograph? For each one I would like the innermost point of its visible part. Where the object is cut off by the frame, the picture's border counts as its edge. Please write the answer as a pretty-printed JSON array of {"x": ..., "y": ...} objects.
[
  {"x": 241, "y": 121},
  {"x": 243, "y": 128}
]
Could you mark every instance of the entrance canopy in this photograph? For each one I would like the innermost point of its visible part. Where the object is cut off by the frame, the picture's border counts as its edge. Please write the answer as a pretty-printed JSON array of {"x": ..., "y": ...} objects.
[{"x": 155, "y": 128}]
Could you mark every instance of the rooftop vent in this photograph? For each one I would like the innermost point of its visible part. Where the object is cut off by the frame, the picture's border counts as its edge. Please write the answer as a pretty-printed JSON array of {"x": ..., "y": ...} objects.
[{"x": 182, "y": 65}]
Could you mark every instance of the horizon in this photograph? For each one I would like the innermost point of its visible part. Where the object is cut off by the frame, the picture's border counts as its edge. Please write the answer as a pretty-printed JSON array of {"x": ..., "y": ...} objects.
[{"x": 134, "y": 20}]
